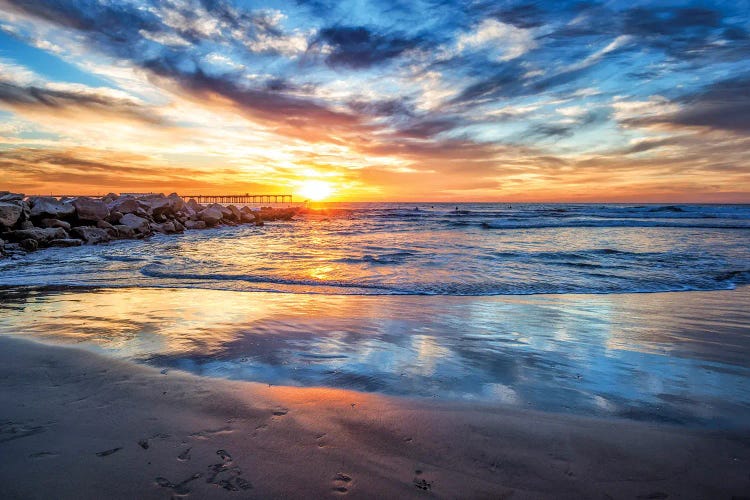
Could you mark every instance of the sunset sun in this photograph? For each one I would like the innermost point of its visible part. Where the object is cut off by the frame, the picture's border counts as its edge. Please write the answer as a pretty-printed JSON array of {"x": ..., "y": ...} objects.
[{"x": 315, "y": 190}]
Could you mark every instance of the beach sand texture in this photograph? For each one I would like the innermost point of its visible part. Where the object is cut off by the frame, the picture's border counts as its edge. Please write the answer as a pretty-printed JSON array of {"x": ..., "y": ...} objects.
[{"x": 79, "y": 425}]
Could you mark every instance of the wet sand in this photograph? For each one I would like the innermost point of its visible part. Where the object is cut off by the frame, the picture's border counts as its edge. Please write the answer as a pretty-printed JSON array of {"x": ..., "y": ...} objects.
[{"x": 74, "y": 424}]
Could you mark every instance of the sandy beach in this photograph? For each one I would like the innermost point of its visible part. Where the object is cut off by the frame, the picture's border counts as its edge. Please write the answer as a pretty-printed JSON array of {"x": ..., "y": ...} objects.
[{"x": 79, "y": 425}]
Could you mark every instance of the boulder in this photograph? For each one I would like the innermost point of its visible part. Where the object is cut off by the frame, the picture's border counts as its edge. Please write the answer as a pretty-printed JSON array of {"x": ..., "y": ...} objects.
[
  {"x": 156, "y": 204},
  {"x": 194, "y": 205},
  {"x": 176, "y": 202},
  {"x": 6, "y": 196},
  {"x": 55, "y": 223},
  {"x": 89, "y": 209},
  {"x": 103, "y": 224},
  {"x": 141, "y": 213},
  {"x": 236, "y": 214},
  {"x": 114, "y": 217},
  {"x": 40, "y": 235},
  {"x": 109, "y": 197},
  {"x": 9, "y": 214},
  {"x": 136, "y": 223},
  {"x": 124, "y": 205},
  {"x": 247, "y": 216},
  {"x": 29, "y": 244},
  {"x": 66, "y": 242},
  {"x": 27, "y": 224},
  {"x": 91, "y": 235},
  {"x": 211, "y": 216},
  {"x": 178, "y": 227},
  {"x": 124, "y": 231},
  {"x": 195, "y": 224},
  {"x": 48, "y": 207}
]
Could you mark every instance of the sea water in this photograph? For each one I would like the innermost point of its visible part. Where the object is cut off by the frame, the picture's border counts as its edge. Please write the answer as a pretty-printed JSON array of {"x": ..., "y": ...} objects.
[{"x": 634, "y": 311}]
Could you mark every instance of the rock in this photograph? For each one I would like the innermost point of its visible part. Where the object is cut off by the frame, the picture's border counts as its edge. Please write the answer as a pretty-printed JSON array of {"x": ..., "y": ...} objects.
[
  {"x": 103, "y": 224},
  {"x": 27, "y": 224},
  {"x": 136, "y": 223},
  {"x": 211, "y": 216},
  {"x": 48, "y": 207},
  {"x": 89, "y": 209},
  {"x": 156, "y": 204},
  {"x": 109, "y": 198},
  {"x": 165, "y": 228},
  {"x": 177, "y": 203},
  {"x": 115, "y": 217},
  {"x": 124, "y": 231},
  {"x": 195, "y": 224},
  {"x": 29, "y": 244},
  {"x": 9, "y": 214},
  {"x": 225, "y": 212},
  {"x": 55, "y": 223},
  {"x": 141, "y": 213},
  {"x": 124, "y": 205},
  {"x": 7, "y": 196},
  {"x": 66, "y": 242},
  {"x": 194, "y": 205},
  {"x": 236, "y": 214},
  {"x": 91, "y": 235},
  {"x": 42, "y": 236},
  {"x": 247, "y": 216}
]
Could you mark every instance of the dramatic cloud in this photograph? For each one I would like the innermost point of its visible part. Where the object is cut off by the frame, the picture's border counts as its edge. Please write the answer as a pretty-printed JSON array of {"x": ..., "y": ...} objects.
[{"x": 482, "y": 100}]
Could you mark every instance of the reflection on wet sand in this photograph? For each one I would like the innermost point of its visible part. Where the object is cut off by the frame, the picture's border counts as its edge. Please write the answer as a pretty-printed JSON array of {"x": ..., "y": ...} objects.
[{"x": 674, "y": 357}]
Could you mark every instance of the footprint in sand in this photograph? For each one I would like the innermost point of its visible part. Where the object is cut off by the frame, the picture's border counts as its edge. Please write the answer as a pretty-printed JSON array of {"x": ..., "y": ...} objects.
[
  {"x": 341, "y": 482},
  {"x": 227, "y": 475},
  {"x": 145, "y": 442},
  {"x": 184, "y": 456},
  {"x": 44, "y": 454},
  {"x": 15, "y": 430},
  {"x": 179, "y": 488},
  {"x": 106, "y": 453},
  {"x": 421, "y": 483},
  {"x": 281, "y": 412}
]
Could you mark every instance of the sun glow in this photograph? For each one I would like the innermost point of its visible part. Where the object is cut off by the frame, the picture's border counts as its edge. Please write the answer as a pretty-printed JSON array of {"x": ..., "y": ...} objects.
[{"x": 315, "y": 190}]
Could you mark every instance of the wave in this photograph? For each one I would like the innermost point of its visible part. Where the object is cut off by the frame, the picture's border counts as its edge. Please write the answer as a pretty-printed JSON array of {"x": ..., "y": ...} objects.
[
  {"x": 383, "y": 259},
  {"x": 609, "y": 284},
  {"x": 613, "y": 223}
]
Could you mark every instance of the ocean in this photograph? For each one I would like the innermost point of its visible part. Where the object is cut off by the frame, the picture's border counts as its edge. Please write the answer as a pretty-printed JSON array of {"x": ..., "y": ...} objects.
[
  {"x": 429, "y": 249},
  {"x": 631, "y": 311}
]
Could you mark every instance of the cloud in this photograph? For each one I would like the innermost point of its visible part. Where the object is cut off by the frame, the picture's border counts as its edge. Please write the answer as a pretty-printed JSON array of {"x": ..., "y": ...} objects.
[
  {"x": 503, "y": 41},
  {"x": 358, "y": 47},
  {"x": 723, "y": 105},
  {"x": 71, "y": 99}
]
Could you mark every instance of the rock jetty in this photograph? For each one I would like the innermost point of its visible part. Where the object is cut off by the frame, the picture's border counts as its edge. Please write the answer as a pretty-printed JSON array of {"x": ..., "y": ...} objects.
[{"x": 31, "y": 223}]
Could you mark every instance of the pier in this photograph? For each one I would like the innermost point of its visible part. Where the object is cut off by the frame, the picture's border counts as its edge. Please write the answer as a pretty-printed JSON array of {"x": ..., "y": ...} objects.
[
  {"x": 240, "y": 198},
  {"x": 223, "y": 199}
]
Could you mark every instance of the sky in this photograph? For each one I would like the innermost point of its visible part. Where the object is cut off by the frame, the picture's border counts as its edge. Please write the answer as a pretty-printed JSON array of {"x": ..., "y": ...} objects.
[{"x": 379, "y": 100}]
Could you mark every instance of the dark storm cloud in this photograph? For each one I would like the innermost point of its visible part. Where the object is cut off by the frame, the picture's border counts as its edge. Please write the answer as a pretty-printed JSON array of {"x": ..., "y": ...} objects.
[{"x": 359, "y": 47}]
